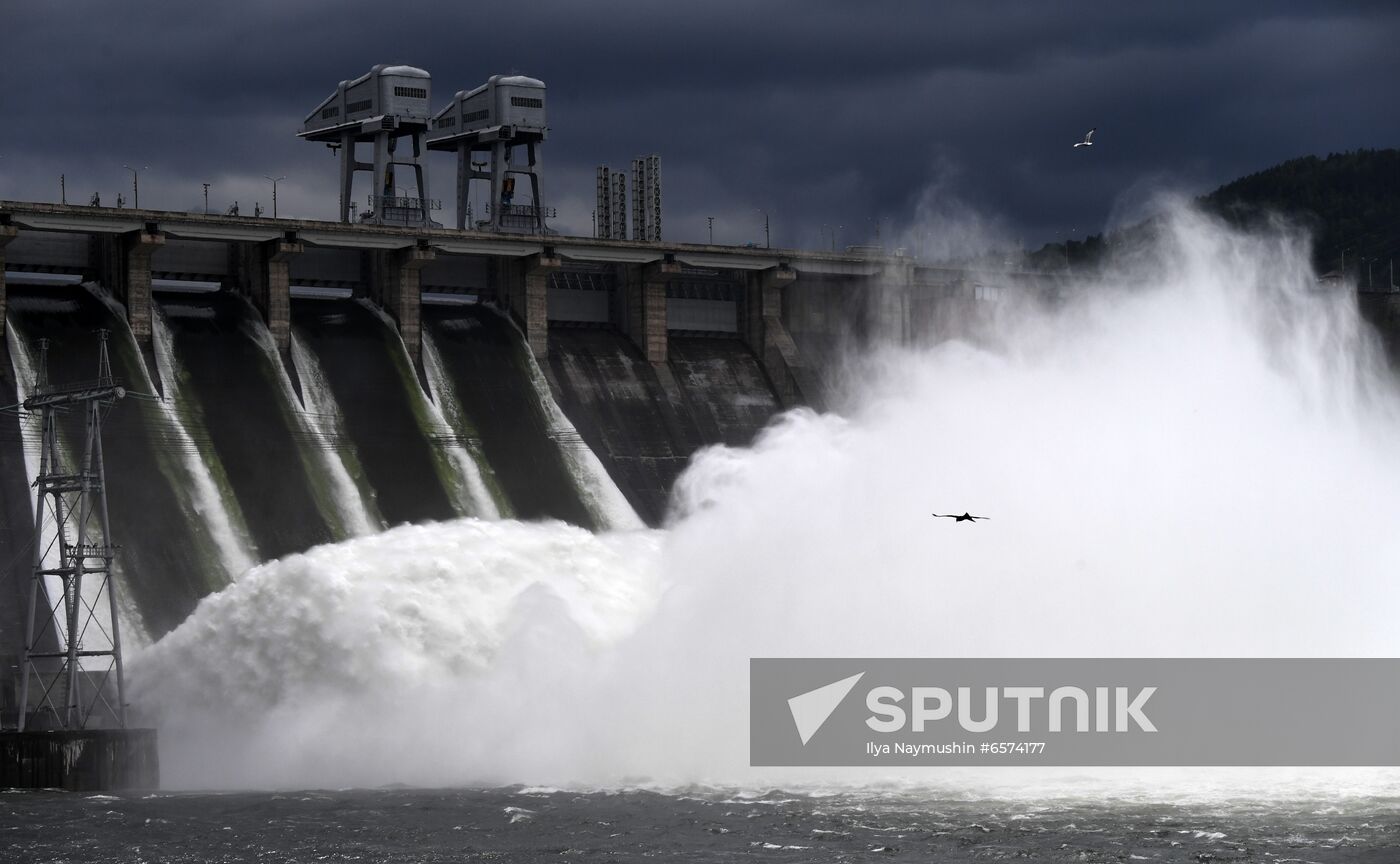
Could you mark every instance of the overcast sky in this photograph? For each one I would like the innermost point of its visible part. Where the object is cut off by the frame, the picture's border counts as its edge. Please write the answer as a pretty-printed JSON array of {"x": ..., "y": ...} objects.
[{"x": 924, "y": 116}]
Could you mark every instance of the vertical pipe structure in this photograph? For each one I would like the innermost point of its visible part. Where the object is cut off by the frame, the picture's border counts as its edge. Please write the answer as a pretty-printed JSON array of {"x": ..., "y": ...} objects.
[
  {"x": 381, "y": 165},
  {"x": 532, "y": 149},
  {"x": 639, "y": 205},
  {"x": 420, "y": 174},
  {"x": 603, "y": 203},
  {"x": 464, "y": 177},
  {"x": 347, "y": 174},
  {"x": 619, "y": 206},
  {"x": 653, "y": 197},
  {"x": 499, "y": 154}
]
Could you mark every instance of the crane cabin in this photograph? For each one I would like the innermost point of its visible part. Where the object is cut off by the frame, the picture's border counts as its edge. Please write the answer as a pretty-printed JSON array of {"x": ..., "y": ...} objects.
[
  {"x": 380, "y": 107},
  {"x": 505, "y": 112}
]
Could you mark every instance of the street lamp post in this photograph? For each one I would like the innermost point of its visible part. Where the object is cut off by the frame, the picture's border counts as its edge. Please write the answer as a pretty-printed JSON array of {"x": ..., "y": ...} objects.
[
  {"x": 136, "y": 185},
  {"x": 767, "y": 237},
  {"x": 711, "y": 221},
  {"x": 274, "y": 193},
  {"x": 206, "y": 199}
]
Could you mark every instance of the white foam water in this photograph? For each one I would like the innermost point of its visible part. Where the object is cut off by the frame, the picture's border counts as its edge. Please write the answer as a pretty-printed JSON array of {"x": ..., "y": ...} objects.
[{"x": 1194, "y": 457}]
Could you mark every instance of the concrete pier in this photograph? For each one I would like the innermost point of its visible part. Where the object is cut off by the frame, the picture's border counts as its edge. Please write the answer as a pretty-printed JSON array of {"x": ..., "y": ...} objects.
[
  {"x": 395, "y": 285},
  {"x": 765, "y": 334},
  {"x": 645, "y": 304},
  {"x": 93, "y": 760},
  {"x": 524, "y": 292},
  {"x": 272, "y": 288},
  {"x": 134, "y": 286}
]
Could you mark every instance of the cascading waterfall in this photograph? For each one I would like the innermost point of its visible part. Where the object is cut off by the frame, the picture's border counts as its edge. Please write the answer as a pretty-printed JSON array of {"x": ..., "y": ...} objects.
[
  {"x": 216, "y": 507},
  {"x": 461, "y": 473},
  {"x": 448, "y": 411},
  {"x": 595, "y": 486},
  {"x": 1174, "y": 463},
  {"x": 351, "y": 503}
]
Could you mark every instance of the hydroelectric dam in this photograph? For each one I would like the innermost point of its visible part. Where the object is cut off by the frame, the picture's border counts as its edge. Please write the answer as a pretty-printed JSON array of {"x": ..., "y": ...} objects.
[
  {"x": 188, "y": 395},
  {"x": 320, "y": 380},
  {"x": 313, "y": 381}
]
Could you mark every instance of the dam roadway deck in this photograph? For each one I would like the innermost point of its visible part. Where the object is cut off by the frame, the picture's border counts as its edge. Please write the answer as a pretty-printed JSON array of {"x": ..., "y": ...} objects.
[{"x": 644, "y": 289}]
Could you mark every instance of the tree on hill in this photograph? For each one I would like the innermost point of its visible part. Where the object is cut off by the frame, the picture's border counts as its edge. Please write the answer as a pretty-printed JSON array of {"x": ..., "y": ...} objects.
[{"x": 1349, "y": 201}]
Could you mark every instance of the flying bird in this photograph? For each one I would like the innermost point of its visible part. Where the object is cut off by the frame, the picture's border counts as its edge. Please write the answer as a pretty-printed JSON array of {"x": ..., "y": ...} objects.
[
  {"x": 966, "y": 517},
  {"x": 1088, "y": 138}
]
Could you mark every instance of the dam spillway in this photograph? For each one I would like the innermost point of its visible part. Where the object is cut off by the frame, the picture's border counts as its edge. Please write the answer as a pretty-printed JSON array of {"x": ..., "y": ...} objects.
[
  {"x": 320, "y": 381},
  {"x": 267, "y": 450}
]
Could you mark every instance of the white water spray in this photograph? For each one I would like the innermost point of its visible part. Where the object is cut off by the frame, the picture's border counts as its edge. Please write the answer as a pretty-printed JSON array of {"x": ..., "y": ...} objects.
[
  {"x": 225, "y": 522},
  {"x": 469, "y": 458},
  {"x": 322, "y": 421},
  {"x": 596, "y": 487},
  {"x": 1201, "y": 463},
  {"x": 465, "y": 484}
]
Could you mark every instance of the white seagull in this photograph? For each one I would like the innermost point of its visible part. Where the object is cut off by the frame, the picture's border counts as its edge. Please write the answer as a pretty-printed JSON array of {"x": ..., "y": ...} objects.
[{"x": 1088, "y": 138}]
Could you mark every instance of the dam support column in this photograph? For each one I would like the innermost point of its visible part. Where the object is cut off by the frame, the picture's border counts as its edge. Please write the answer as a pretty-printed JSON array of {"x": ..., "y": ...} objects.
[
  {"x": 270, "y": 288},
  {"x": 763, "y": 331},
  {"x": 523, "y": 289},
  {"x": 262, "y": 272},
  {"x": 892, "y": 302},
  {"x": 134, "y": 285},
  {"x": 396, "y": 287},
  {"x": 644, "y": 310},
  {"x": 7, "y": 234}
]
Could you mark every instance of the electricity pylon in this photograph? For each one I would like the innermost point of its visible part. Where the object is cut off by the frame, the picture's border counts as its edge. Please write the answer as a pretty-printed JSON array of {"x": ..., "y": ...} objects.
[{"x": 71, "y": 653}]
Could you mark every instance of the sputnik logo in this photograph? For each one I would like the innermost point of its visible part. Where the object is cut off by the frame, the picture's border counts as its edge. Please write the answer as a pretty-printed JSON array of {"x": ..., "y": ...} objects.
[{"x": 811, "y": 709}]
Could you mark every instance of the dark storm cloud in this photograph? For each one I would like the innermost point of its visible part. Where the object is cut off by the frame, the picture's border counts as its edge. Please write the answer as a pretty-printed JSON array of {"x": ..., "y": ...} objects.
[{"x": 820, "y": 113}]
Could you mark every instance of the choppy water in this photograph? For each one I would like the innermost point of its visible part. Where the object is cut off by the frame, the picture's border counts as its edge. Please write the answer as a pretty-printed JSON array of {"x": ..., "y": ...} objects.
[{"x": 522, "y": 824}]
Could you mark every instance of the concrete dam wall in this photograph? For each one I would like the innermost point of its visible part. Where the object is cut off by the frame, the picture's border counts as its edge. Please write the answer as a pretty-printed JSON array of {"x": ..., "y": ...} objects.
[
  {"x": 255, "y": 454},
  {"x": 344, "y": 379}
]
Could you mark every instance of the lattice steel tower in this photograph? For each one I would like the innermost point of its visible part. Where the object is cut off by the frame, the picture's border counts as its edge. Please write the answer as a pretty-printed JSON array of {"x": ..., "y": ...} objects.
[
  {"x": 646, "y": 198},
  {"x": 72, "y": 642}
]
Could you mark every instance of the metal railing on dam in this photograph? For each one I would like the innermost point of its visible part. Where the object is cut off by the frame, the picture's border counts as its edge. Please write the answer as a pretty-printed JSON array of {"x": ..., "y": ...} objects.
[{"x": 339, "y": 235}]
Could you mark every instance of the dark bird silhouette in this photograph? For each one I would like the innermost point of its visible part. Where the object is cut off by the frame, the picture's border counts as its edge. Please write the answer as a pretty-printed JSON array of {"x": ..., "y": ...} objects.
[{"x": 966, "y": 517}]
